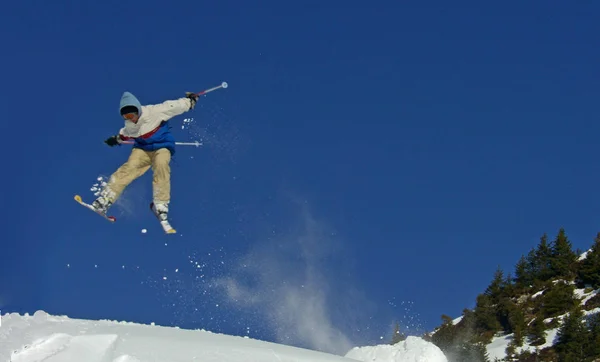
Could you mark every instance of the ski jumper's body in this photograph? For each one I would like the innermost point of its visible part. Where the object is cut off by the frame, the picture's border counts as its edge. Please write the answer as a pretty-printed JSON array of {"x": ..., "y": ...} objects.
[{"x": 153, "y": 146}]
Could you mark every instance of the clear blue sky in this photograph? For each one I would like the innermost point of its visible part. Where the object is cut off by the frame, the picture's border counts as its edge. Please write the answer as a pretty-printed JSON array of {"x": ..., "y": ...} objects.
[{"x": 437, "y": 140}]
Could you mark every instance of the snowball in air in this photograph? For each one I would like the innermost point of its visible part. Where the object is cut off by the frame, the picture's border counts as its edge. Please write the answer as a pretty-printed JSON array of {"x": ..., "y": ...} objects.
[{"x": 144, "y": 231}]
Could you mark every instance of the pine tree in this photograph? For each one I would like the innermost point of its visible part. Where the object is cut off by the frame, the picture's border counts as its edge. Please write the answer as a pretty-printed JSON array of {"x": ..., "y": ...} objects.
[
  {"x": 543, "y": 255},
  {"x": 460, "y": 342},
  {"x": 496, "y": 287},
  {"x": 472, "y": 352},
  {"x": 485, "y": 315},
  {"x": 558, "y": 300},
  {"x": 563, "y": 258},
  {"x": 523, "y": 276},
  {"x": 532, "y": 267},
  {"x": 593, "y": 345},
  {"x": 397, "y": 336},
  {"x": 466, "y": 329},
  {"x": 538, "y": 261},
  {"x": 537, "y": 332},
  {"x": 518, "y": 325},
  {"x": 493, "y": 307},
  {"x": 509, "y": 286},
  {"x": 589, "y": 272},
  {"x": 503, "y": 311},
  {"x": 444, "y": 336},
  {"x": 572, "y": 337}
]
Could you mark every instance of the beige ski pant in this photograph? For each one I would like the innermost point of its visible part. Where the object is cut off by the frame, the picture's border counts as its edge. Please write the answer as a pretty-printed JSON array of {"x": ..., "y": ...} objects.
[{"x": 138, "y": 163}]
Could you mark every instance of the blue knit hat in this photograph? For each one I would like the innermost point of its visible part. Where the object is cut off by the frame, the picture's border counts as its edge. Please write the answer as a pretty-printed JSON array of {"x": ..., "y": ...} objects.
[{"x": 129, "y": 104}]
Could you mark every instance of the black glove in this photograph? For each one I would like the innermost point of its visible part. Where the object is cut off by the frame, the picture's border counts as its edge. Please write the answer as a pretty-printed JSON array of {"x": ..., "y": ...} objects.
[
  {"x": 193, "y": 98},
  {"x": 113, "y": 141}
]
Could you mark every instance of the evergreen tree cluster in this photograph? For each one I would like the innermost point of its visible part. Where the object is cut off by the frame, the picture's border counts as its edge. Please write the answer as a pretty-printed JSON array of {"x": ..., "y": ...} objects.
[
  {"x": 539, "y": 296},
  {"x": 460, "y": 342}
]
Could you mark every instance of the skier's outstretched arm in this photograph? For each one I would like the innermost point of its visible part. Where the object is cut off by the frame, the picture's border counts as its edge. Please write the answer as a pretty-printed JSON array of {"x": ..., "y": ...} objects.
[{"x": 176, "y": 107}]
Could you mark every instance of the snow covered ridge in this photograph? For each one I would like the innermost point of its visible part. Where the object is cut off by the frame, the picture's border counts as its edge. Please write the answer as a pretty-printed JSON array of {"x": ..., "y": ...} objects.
[
  {"x": 43, "y": 337},
  {"x": 413, "y": 349}
]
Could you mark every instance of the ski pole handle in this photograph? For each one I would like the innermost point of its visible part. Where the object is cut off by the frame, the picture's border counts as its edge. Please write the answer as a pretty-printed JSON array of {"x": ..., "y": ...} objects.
[{"x": 222, "y": 85}]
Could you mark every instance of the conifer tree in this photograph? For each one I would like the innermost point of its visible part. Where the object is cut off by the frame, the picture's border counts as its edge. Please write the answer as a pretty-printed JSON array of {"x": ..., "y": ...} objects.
[
  {"x": 558, "y": 300},
  {"x": 572, "y": 337},
  {"x": 518, "y": 326},
  {"x": 397, "y": 336},
  {"x": 542, "y": 257},
  {"x": 496, "y": 287},
  {"x": 444, "y": 336},
  {"x": 523, "y": 276},
  {"x": 472, "y": 352},
  {"x": 589, "y": 272},
  {"x": 509, "y": 287},
  {"x": 593, "y": 345},
  {"x": 503, "y": 311},
  {"x": 485, "y": 314},
  {"x": 563, "y": 258},
  {"x": 532, "y": 267},
  {"x": 466, "y": 329},
  {"x": 496, "y": 303},
  {"x": 537, "y": 332}
]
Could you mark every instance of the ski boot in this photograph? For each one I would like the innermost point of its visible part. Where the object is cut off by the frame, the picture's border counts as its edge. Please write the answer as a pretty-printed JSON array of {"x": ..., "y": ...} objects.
[
  {"x": 101, "y": 205},
  {"x": 161, "y": 211}
]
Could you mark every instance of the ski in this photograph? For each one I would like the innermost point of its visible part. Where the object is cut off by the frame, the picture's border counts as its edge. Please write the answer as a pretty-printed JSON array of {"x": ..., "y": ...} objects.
[
  {"x": 107, "y": 217},
  {"x": 164, "y": 223}
]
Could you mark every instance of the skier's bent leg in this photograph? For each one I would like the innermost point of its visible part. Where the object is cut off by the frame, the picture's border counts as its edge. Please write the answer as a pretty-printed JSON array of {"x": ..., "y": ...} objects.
[
  {"x": 161, "y": 182},
  {"x": 138, "y": 163}
]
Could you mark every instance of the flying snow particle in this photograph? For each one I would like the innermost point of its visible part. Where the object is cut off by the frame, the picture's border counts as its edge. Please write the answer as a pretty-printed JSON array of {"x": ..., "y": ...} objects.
[
  {"x": 144, "y": 231},
  {"x": 186, "y": 122}
]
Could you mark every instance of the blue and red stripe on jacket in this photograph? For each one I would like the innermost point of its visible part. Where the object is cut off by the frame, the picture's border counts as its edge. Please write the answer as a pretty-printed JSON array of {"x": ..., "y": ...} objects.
[{"x": 160, "y": 137}]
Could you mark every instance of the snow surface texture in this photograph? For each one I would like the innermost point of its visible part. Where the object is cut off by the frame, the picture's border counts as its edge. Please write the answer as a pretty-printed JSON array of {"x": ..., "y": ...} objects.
[
  {"x": 47, "y": 338},
  {"x": 413, "y": 349}
]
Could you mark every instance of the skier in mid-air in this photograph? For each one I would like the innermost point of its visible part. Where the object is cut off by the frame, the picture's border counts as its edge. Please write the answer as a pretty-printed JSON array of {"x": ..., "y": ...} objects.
[{"x": 153, "y": 146}]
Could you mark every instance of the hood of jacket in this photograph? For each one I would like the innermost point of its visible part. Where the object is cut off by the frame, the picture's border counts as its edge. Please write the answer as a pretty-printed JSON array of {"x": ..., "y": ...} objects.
[{"x": 128, "y": 99}]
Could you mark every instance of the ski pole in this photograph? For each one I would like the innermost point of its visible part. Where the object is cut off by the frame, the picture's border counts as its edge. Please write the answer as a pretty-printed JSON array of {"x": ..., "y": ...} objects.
[
  {"x": 195, "y": 143},
  {"x": 222, "y": 85}
]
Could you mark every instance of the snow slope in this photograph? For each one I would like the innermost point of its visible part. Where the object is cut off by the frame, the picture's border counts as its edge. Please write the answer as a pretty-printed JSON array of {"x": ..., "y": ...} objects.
[{"x": 48, "y": 338}]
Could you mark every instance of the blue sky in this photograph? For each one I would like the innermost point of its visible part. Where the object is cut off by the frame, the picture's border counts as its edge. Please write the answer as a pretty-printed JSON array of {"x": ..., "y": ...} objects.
[{"x": 402, "y": 151}]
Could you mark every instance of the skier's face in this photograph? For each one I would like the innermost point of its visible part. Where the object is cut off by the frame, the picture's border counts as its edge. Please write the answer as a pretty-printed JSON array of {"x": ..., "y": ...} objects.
[{"x": 133, "y": 117}]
